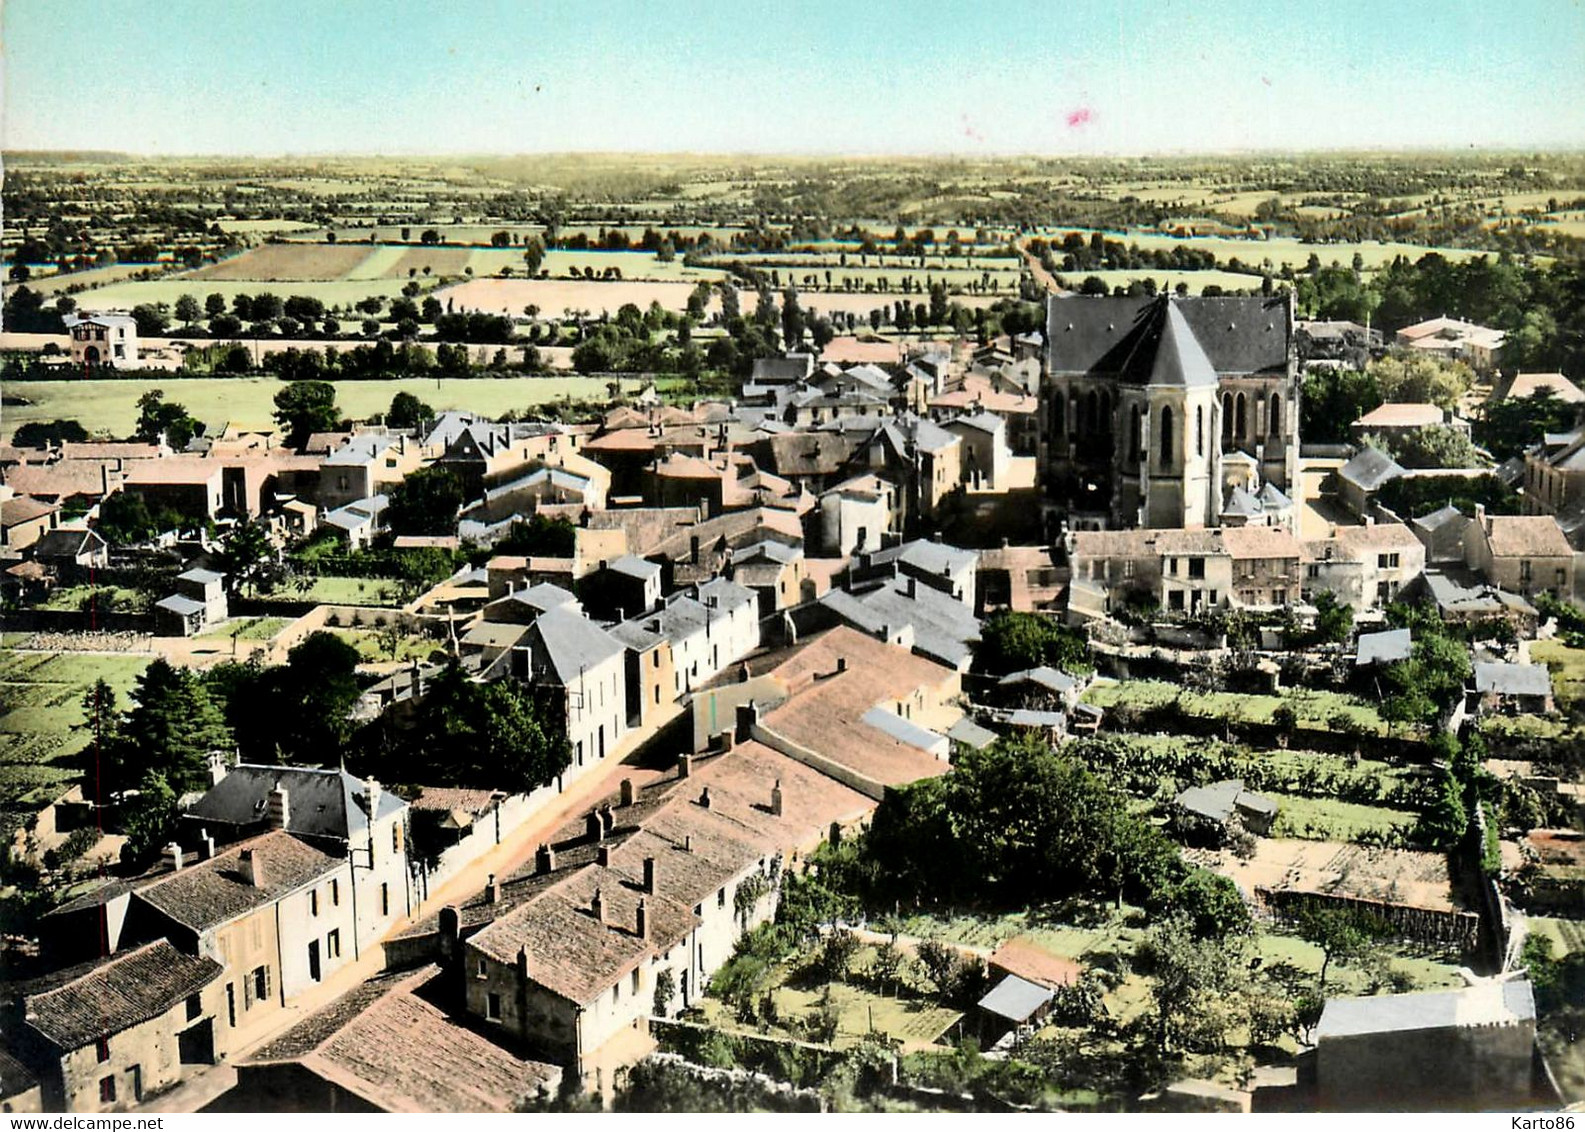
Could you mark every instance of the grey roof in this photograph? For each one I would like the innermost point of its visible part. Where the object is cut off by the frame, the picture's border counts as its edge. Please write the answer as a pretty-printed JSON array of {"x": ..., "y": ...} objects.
[
  {"x": 635, "y": 567},
  {"x": 968, "y": 732},
  {"x": 320, "y": 803},
  {"x": 1235, "y": 335},
  {"x": 944, "y": 630},
  {"x": 176, "y": 603},
  {"x": 984, "y": 422},
  {"x": 360, "y": 449},
  {"x": 543, "y": 596},
  {"x": 357, "y": 514},
  {"x": 1218, "y": 800},
  {"x": 1485, "y": 1004},
  {"x": 767, "y": 548},
  {"x": 1015, "y": 999},
  {"x": 933, "y": 557},
  {"x": 67, "y": 542},
  {"x": 1028, "y": 717},
  {"x": 569, "y": 643},
  {"x": 793, "y": 367},
  {"x": 1513, "y": 679},
  {"x": 555, "y": 476},
  {"x": 1384, "y": 647},
  {"x": 108, "y": 318},
  {"x": 1240, "y": 502},
  {"x": 1045, "y": 676},
  {"x": 903, "y": 730},
  {"x": 202, "y": 577},
  {"x": 1465, "y": 593},
  {"x": 1438, "y": 519},
  {"x": 1272, "y": 499},
  {"x": 722, "y": 593},
  {"x": 1370, "y": 469}
]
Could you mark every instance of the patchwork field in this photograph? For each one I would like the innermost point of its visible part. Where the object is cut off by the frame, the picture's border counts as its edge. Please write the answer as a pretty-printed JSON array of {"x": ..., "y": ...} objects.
[
  {"x": 249, "y": 402},
  {"x": 1313, "y": 708}
]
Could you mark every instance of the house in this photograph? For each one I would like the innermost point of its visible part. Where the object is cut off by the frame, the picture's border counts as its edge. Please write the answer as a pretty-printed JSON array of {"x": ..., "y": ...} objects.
[
  {"x": 76, "y": 484},
  {"x": 387, "y": 1047},
  {"x": 1025, "y": 579},
  {"x": 773, "y": 375},
  {"x": 1526, "y": 385},
  {"x": 1015, "y": 1002},
  {"x": 921, "y": 456},
  {"x": 902, "y": 611},
  {"x": 104, "y": 1035},
  {"x": 1395, "y": 1051},
  {"x": 1365, "y": 567},
  {"x": 20, "y": 1088},
  {"x": 707, "y": 631},
  {"x": 623, "y": 587},
  {"x": 1182, "y": 571},
  {"x": 348, "y": 818},
  {"x": 1144, "y": 396},
  {"x": 107, "y": 338},
  {"x": 857, "y": 515},
  {"x": 1522, "y": 554},
  {"x": 564, "y": 652},
  {"x": 71, "y": 552},
  {"x": 1396, "y": 419},
  {"x": 189, "y": 486},
  {"x": 1512, "y": 689},
  {"x": 986, "y": 455},
  {"x": 951, "y": 570},
  {"x": 1363, "y": 477},
  {"x": 774, "y": 570},
  {"x": 1044, "y": 683},
  {"x": 23, "y": 521},
  {"x": 1442, "y": 534},
  {"x": 1455, "y": 340},
  {"x": 198, "y": 603},
  {"x": 1213, "y": 808},
  {"x": 365, "y": 465},
  {"x": 359, "y": 521}
]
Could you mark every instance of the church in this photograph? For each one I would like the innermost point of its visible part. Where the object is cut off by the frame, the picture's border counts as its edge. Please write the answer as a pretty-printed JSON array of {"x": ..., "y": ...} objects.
[{"x": 1169, "y": 411}]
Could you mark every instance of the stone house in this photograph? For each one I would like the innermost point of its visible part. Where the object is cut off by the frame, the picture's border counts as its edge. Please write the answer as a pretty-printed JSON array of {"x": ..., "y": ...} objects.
[
  {"x": 103, "y": 339},
  {"x": 1511, "y": 689},
  {"x": 106, "y": 1035},
  {"x": 1522, "y": 554},
  {"x": 23, "y": 521},
  {"x": 563, "y": 651},
  {"x": 857, "y": 515},
  {"x": 1364, "y": 567}
]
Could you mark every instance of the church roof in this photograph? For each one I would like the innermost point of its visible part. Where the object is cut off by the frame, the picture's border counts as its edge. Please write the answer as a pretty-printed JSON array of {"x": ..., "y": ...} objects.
[{"x": 1237, "y": 334}]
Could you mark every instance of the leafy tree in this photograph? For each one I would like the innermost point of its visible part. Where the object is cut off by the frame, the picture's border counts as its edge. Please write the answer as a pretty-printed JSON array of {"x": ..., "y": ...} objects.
[
  {"x": 407, "y": 411},
  {"x": 1011, "y": 642},
  {"x": 215, "y": 305},
  {"x": 429, "y": 238},
  {"x": 149, "y": 820},
  {"x": 187, "y": 310},
  {"x": 792, "y": 319},
  {"x": 246, "y": 556},
  {"x": 172, "y": 728},
  {"x": 1341, "y": 935},
  {"x": 1334, "y": 620},
  {"x": 539, "y": 536},
  {"x": 426, "y": 503},
  {"x": 1421, "y": 378},
  {"x": 158, "y": 417},
  {"x": 48, "y": 434},
  {"x": 1332, "y": 399},
  {"x": 533, "y": 254},
  {"x": 1445, "y": 820},
  {"x": 1433, "y": 446},
  {"x": 152, "y": 321},
  {"x": 1191, "y": 981},
  {"x": 125, "y": 517},
  {"x": 306, "y": 407},
  {"x": 1514, "y": 424}
]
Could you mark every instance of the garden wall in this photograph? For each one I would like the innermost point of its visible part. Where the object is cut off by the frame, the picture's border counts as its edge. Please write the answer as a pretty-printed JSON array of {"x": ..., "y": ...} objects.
[{"x": 1423, "y": 925}]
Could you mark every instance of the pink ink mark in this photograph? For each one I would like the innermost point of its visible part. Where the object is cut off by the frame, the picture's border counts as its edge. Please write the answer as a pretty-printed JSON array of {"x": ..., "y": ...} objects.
[
  {"x": 1080, "y": 117},
  {"x": 968, "y": 129},
  {"x": 1265, "y": 80}
]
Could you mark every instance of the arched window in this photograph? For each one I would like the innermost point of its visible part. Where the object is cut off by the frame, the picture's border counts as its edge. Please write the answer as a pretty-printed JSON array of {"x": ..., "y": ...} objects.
[
  {"x": 1227, "y": 420},
  {"x": 1241, "y": 421},
  {"x": 1166, "y": 437},
  {"x": 1056, "y": 413},
  {"x": 1199, "y": 430},
  {"x": 1133, "y": 435},
  {"x": 1274, "y": 418}
]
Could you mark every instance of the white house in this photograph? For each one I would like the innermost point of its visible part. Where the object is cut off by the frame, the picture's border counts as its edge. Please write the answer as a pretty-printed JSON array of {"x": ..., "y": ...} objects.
[
  {"x": 564, "y": 649},
  {"x": 108, "y": 339}
]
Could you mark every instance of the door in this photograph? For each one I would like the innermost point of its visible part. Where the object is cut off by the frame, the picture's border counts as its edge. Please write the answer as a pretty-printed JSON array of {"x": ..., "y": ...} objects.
[
  {"x": 135, "y": 1083},
  {"x": 196, "y": 1044},
  {"x": 313, "y": 960}
]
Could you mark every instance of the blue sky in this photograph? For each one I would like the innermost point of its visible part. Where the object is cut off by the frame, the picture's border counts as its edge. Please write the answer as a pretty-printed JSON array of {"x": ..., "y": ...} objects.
[{"x": 1059, "y": 77}]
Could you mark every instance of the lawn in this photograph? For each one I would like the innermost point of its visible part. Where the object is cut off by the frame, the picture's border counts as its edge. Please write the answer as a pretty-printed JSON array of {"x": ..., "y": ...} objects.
[
  {"x": 109, "y": 598},
  {"x": 332, "y": 590},
  {"x": 40, "y": 728},
  {"x": 1313, "y": 708},
  {"x": 1567, "y": 936},
  {"x": 372, "y": 649},
  {"x": 111, "y": 406},
  {"x": 1567, "y": 666},
  {"x": 249, "y": 628},
  {"x": 1325, "y": 819}
]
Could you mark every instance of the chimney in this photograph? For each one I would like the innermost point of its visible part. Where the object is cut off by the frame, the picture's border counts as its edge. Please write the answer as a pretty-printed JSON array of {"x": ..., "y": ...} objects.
[
  {"x": 545, "y": 860},
  {"x": 747, "y": 720},
  {"x": 913, "y": 588},
  {"x": 597, "y": 906},
  {"x": 450, "y": 930},
  {"x": 492, "y": 890},
  {"x": 642, "y": 925},
  {"x": 629, "y": 792},
  {"x": 173, "y": 856},
  {"x": 206, "y": 845},
  {"x": 602, "y": 856},
  {"x": 607, "y": 819},
  {"x": 1480, "y": 515},
  {"x": 842, "y": 664},
  {"x": 371, "y": 793},
  {"x": 278, "y": 810},
  {"x": 776, "y": 799},
  {"x": 217, "y": 767},
  {"x": 522, "y": 963},
  {"x": 704, "y": 797},
  {"x": 684, "y": 765},
  {"x": 728, "y": 741},
  {"x": 594, "y": 828},
  {"x": 251, "y": 868},
  {"x": 649, "y": 875},
  {"x": 687, "y": 843}
]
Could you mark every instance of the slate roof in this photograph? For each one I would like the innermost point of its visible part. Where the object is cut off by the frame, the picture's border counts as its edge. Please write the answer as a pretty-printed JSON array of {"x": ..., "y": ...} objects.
[
  {"x": 67, "y": 542},
  {"x": 1218, "y": 800},
  {"x": 1240, "y": 502},
  {"x": 1044, "y": 676},
  {"x": 320, "y": 803},
  {"x": 15, "y": 1078},
  {"x": 569, "y": 643},
  {"x": 635, "y": 567},
  {"x": 1513, "y": 679},
  {"x": 903, "y": 730},
  {"x": 971, "y": 734},
  {"x": 1235, "y": 335},
  {"x": 930, "y": 557},
  {"x": 944, "y": 629},
  {"x": 1370, "y": 469},
  {"x": 209, "y": 893},
  {"x": 360, "y": 449},
  {"x": 201, "y": 576},
  {"x": 1487, "y": 1003},
  {"x": 179, "y": 605},
  {"x": 82, "y": 1004},
  {"x": 1015, "y": 999},
  {"x": 1384, "y": 647},
  {"x": 1438, "y": 519},
  {"x": 391, "y": 1046}
]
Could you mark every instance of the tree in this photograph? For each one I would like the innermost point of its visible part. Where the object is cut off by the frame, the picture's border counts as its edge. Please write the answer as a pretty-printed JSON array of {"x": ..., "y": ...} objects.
[
  {"x": 246, "y": 555},
  {"x": 792, "y": 319},
  {"x": 159, "y": 418},
  {"x": 1514, "y": 424},
  {"x": 149, "y": 820},
  {"x": 533, "y": 254},
  {"x": 430, "y": 237},
  {"x": 151, "y": 320},
  {"x": 306, "y": 407},
  {"x": 407, "y": 411},
  {"x": 1011, "y": 642},
  {"x": 1334, "y": 620},
  {"x": 1432, "y": 446},
  {"x": 1191, "y": 981},
  {"x": 1341, "y": 934},
  {"x": 1445, "y": 820},
  {"x": 215, "y": 305},
  {"x": 426, "y": 503},
  {"x": 1421, "y": 378},
  {"x": 172, "y": 728},
  {"x": 48, "y": 434},
  {"x": 187, "y": 310}
]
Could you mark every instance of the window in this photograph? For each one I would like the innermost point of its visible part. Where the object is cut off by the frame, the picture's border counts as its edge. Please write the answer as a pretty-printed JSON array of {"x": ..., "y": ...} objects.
[
  {"x": 1166, "y": 437},
  {"x": 1274, "y": 417},
  {"x": 1312, "y": 571},
  {"x": 335, "y": 892},
  {"x": 396, "y": 837},
  {"x": 1199, "y": 430},
  {"x": 616, "y": 994},
  {"x": 333, "y": 944},
  {"x": 720, "y": 898},
  {"x": 1128, "y": 567},
  {"x": 102, "y": 1049},
  {"x": 1526, "y": 570},
  {"x": 261, "y": 983},
  {"x": 390, "y": 461},
  {"x": 635, "y": 980},
  {"x": 1386, "y": 561},
  {"x": 107, "y": 1090},
  {"x": 231, "y": 1005},
  {"x": 480, "y": 969},
  {"x": 1175, "y": 600},
  {"x": 1197, "y": 568},
  {"x": 1133, "y": 435},
  {"x": 492, "y": 1006},
  {"x": 313, "y": 902},
  {"x": 385, "y": 899},
  {"x": 195, "y": 1007}
]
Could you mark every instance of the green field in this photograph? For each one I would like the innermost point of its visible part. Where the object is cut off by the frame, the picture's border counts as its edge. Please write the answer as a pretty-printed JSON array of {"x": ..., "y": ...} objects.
[
  {"x": 248, "y": 628},
  {"x": 41, "y": 725},
  {"x": 372, "y": 649},
  {"x": 329, "y": 590},
  {"x": 1567, "y": 666},
  {"x": 1313, "y": 708},
  {"x": 248, "y": 402},
  {"x": 1325, "y": 819},
  {"x": 1567, "y": 936},
  {"x": 1196, "y": 281}
]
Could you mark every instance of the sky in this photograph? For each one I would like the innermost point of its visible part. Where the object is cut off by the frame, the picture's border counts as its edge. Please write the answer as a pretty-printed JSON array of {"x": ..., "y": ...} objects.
[{"x": 1059, "y": 77}]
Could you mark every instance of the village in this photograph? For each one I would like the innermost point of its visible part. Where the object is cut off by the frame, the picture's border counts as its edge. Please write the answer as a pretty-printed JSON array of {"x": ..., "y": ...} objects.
[{"x": 1035, "y": 719}]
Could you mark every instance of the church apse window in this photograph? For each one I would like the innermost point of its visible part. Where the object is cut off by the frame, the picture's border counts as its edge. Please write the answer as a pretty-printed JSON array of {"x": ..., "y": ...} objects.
[
  {"x": 1166, "y": 437},
  {"x": 1274, "y": 416}
]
